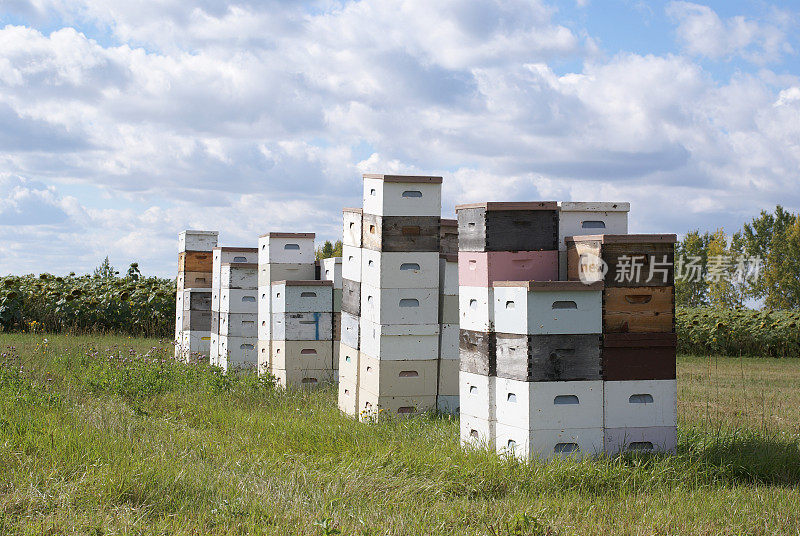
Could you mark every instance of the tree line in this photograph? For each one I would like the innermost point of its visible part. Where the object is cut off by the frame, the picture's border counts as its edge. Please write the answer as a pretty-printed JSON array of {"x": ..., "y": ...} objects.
[{"x": 758, "y": 265}]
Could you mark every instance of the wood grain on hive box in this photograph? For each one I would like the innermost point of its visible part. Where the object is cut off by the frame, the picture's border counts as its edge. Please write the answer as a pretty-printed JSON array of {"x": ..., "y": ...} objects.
[
  {"x": 639, "y": 310},
  {"x": 195, "y": 261},
  {"x": 477, "y": 352},
  {"x": 630, "y": 260},
  {"x": 639, "y": 356},
  {"x": 238, "y": 275},
  {"x": 508, "y": 226},
  {"x": 351, "y": 297},
  {"x": 547, "y": 358},
  {"x": 401, "y": 233}
]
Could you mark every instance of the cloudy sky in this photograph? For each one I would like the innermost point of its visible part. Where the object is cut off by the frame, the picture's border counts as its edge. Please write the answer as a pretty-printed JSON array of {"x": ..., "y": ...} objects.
[{"x": 122, "y": 123}]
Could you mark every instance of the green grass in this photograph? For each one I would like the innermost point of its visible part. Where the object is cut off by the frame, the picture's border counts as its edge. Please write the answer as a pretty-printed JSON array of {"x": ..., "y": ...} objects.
[{"x": 130, "y": 445}]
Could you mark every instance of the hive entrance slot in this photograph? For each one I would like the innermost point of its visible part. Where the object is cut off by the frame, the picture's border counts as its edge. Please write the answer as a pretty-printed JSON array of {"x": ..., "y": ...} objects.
[
  {"x": 593, "y": 224},
  {"x": 565, "y": 448},
  {"x": 566, "y": 399}
]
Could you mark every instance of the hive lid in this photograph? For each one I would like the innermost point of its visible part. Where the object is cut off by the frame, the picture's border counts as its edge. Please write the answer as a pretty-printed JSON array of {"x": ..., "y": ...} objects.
[
  {"x": 403, "y": 178},
  {"x": 495, "y": 205},
  {"x": 448, "y": 222},
  {"x": 625, "y": 238},
  {"x": 627, "y": 340},
  {"x": 594, "y": 206},
  {"x": 244, "y": 250},
  {"x": 287, "y": 235},
  {"x": 250, "y": 265},
  {"x": 201, "y": 233},
  {"x": 545, "y": 286},
  {"x": 303, "y": 283},
  {"x": 353, "y": 209},
  {"x": 448, "y": 257}
]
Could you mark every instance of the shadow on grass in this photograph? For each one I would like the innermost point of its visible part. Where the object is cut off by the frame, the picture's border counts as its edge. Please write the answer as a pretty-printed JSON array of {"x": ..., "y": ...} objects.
[{"x": 745, "y": 457}]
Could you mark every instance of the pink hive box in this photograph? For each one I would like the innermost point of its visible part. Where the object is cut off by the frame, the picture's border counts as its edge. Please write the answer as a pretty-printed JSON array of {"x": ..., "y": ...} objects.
[{"x": 481, "y": 269}]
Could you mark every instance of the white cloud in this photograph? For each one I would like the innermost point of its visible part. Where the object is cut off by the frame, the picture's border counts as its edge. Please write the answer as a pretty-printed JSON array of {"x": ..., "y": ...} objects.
[
  {"x": 261, "y": 116},
  {"x": 702, "y": 32}
]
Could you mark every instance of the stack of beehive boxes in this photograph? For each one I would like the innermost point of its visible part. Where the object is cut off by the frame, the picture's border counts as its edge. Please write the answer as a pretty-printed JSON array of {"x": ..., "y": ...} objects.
[
  {"x": 447, "y": 394},
  {"x": 350, "y": 324},
  {"x": 398, "y": 283},
  {"x": 331, "y": 270},
  {"x": 497, "y": 242},
  {"x": 234, "y": 308},
  {"x": 294, "y": 311},
  {"x": 193, "y": 298},
  {"x": 549, "y": 391},
  {"x": 639, "y": 342}
]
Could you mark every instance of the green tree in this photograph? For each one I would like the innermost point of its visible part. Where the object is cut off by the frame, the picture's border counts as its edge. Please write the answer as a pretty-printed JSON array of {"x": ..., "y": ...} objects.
[
  {"x": 722, "y": 293},
  {"x": 781, "y": 275},
  {"x": 691, "y": 258},
  {"x": 328, "y": 250},
  {"x": 105, "y": 270}
]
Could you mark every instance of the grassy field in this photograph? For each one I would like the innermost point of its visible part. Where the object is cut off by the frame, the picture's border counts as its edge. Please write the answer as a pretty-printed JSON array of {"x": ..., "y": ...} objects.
[{"x": 98, "y": 435}]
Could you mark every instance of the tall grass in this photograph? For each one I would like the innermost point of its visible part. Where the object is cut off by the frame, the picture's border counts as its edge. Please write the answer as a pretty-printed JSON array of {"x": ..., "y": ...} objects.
[{"x": 121, "y": 440}]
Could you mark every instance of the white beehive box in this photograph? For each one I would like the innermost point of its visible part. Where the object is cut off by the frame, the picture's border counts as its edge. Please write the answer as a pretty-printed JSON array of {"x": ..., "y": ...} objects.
[
  {"x": 372, "y": 404},
  {"x": 305, "y": 378},
  {"x": 399, "y": 306},
  {"x": 264, "y": 357},
  {"x": 269, "y": 273},
  {"x": 222, "y": 255},
  {"x": 448, "y": 275},
  {"x": 238, "y": 352},
  {"x": 449, "y": 343},
  {"x": 402, "y": 195},
  {"x": 238, "y": 275},
  {"x": 649, "y": 439},
  {"x": 415, "y": 377},
  {"x": 547, "y": 307},
  {"x": 283, "y": 248},
  {"x": 350, "y": 330},
  {"x": 475, "y": 308},
  {"x": 548, "y": 444},
  {"x": 549, "y": 405},
  {"x": 302, "y": 355},
  {"x": 264, "y": 313},
  {"x": 351, "y": 263},
  {"x": 197, "y": 240},
  {"x": 400, "y": 269},
  {"x": 477, "y": 395},
  {"x": 302, "y": 326},
  {"x": 448, "y": 404},
  {"x": 579, "y": 218},
  {"x": 238, "y": 324},
  {"x": 640, "y": 403},
  {"x": 399, "y": 341},
  {"x": 449, "y": 373},
  {"x": 331, "y": 270},
  {"x": 448, "y": 309},
  {"x": 348, "y": 397},
  {"x": 351, "y": 228},
  {"x": 476, "y": 432},
  {"x": 349, "y": 359},
  {"x": 236, "y": 300},
  {"x": 302, "y": 297}
]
